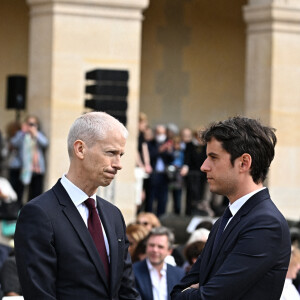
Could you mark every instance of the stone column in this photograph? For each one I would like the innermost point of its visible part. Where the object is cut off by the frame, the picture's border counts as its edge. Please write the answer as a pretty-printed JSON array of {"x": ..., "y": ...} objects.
[
  {"x": 272, "y": 90},
  {"x": 67, "y": 39}
]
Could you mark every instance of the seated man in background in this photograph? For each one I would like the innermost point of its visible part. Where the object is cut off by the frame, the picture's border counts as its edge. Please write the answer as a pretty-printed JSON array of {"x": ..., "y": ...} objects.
[{"x": 154, "y": 277}]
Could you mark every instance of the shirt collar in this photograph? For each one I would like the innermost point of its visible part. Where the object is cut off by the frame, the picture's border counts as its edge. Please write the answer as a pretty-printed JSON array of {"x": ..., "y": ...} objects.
[
  {"x": 236, "y": 205},
  {"x": 76, "y": 194},
  {"x": 151, "y": 268}
]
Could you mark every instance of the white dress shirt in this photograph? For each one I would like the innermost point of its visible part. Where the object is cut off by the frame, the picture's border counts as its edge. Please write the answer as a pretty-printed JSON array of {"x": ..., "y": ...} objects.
[
  {"x": 159, "y": 284},
  {"x": 78, "y": 197}
]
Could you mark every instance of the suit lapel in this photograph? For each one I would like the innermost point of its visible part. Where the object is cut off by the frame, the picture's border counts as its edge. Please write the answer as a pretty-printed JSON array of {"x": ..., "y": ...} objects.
[
  {"x": 243, "y": 211},
  {"x": 206, "y": 256},
  {"x": 79, "y": 226},
  {"x": 170, "y": 280},
  {"x": 146, "y": 279}
]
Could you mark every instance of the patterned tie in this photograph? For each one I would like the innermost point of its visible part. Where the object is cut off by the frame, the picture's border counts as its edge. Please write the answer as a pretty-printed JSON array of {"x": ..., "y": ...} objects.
[
  {"x": 95, "y": 229},
  {"x": 226, "y": 216}
]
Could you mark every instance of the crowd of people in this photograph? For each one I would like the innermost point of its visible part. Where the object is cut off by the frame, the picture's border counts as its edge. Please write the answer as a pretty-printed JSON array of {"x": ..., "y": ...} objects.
[
  {"x": 169, "y": 160},
  {"x": 72, "y": 244}
]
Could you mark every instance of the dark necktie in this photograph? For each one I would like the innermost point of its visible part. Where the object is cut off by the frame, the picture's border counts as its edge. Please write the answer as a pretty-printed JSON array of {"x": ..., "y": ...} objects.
[
  {"x": 226, "y": 216},
  {"x": 95, "y": 229}
]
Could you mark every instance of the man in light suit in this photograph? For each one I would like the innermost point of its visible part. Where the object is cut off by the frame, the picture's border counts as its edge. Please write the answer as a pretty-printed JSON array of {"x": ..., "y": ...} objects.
[
  {"x": 154, "y": 277},
  {"x": 249, "y": 258},
  {"x": 56, "y": 255}
]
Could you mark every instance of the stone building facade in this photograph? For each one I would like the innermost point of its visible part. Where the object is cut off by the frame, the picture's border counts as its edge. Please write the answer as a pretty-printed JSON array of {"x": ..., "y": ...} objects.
[{"x": 190, "y": 62}]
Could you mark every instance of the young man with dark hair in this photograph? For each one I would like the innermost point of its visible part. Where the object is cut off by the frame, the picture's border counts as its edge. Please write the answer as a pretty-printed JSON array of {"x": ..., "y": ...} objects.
[{"x": 247, "y": 253}]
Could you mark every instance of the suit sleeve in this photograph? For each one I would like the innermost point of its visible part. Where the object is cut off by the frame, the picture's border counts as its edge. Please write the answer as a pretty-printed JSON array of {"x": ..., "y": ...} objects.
[
  {"x": 191, "y": 278},
  {"x": 35, "y": 254},
  {"x": 251, "y": 257},
  {"x": 127, "y": 288}
]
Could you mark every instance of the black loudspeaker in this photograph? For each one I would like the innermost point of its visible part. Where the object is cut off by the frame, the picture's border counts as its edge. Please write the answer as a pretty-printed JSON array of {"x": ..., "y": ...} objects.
[
  {"x": 107, "y": 91},
  {"x": 16, "y": 92}
]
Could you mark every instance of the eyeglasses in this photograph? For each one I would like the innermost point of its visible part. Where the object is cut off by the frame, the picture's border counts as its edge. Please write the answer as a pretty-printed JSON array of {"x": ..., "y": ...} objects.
[{"x": 32, "y": 124}]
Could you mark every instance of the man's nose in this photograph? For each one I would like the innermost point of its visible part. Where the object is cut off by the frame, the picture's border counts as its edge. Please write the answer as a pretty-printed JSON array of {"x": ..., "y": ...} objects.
[
  {"x": 117, "y": 163},
  {"x": 204, "y": 166},
  {"x": 154, "y": 248}
]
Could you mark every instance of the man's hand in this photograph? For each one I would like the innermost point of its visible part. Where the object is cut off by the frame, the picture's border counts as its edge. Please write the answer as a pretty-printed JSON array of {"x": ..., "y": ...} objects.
[
  {"x": 193, "y": 286},
  {"x": 33, "y": 131},
  {"x": 184, "y": 170},
  {"x": 148, "y": 169}
]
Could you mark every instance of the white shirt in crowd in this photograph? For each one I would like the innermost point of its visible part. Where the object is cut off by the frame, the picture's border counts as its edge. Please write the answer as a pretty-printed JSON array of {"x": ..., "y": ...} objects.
[
  {"x": 159, "y": 285},
  {"x": 289, "y": 291}
]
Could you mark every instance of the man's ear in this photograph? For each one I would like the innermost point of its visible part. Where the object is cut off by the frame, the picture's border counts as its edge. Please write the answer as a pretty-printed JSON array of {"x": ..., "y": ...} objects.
[
  {"x": 245, "y": 162},
  {"x": 79, "y": 149}
]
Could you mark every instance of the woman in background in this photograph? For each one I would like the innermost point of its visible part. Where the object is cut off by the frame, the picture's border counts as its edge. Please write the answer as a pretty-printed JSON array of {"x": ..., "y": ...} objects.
[
  {"x": 27, "y": 166},
  {"x": 135, "y": 233}
]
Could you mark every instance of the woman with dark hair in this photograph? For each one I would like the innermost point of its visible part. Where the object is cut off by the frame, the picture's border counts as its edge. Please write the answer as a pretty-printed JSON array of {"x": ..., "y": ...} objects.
[{"x": 191, "y": 253}]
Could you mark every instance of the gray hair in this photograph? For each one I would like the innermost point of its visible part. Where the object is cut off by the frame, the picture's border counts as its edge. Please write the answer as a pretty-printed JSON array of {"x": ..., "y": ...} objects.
[
  {"x": 163, "y": 231},
  {"x": 92, "y": 127}
]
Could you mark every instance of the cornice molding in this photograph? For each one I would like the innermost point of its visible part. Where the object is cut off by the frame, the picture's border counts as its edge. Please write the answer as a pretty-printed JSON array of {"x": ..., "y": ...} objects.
[
  {"x": 125, "y": 9},
  {"x": 272, "y": 18}
]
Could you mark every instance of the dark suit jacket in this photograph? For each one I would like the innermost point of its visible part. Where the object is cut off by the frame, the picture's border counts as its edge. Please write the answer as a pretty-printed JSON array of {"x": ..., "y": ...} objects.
[
  {"x": 57, "y": 258},
  {"x": 250, "y": 261},
  {"x": 143, "y": 279}
]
